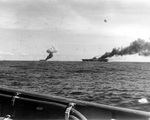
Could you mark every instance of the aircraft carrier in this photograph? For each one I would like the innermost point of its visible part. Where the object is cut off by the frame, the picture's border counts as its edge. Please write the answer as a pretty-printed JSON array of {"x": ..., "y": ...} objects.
[{"x": 96, "y": 59}]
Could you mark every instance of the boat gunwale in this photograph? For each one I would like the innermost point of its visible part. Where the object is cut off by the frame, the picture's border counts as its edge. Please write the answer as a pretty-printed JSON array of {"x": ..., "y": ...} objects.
[{"x": 64, "y": 100}]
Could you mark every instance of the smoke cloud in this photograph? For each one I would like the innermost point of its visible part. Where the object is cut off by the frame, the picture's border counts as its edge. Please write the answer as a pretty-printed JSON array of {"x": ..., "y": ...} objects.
[
  {"x": 138, "y": 46},
  {"x": 49, "y": 56},
  {"x": 50, "y": 51}
]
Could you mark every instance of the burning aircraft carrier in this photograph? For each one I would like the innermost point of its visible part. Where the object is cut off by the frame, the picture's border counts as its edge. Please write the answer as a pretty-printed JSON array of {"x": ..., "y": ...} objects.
[
  {"x": 96, "y": 59},
  {"x": 138, "y": 46}
]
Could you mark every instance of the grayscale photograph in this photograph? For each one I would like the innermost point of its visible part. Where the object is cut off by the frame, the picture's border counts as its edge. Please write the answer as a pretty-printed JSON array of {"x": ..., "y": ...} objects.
[{"x": 74, "y": 59}]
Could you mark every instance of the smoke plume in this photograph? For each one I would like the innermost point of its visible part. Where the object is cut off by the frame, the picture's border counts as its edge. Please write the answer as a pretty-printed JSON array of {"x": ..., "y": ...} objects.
[
  {"x": 49, "y": 56},
  {"x": 138, "y": 46},
  {"x": 50, "y": 52}
]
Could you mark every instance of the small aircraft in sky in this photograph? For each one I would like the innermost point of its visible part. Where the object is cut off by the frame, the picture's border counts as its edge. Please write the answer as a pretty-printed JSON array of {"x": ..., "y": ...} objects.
[{"x": 105, "y": 20}]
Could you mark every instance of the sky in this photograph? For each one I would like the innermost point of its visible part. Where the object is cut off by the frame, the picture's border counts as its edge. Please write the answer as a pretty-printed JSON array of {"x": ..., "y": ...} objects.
[{"x": 77, "y": 28}]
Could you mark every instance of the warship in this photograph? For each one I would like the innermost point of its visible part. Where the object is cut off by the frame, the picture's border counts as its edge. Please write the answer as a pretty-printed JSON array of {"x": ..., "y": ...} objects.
[{"x": 96, "y": 59}]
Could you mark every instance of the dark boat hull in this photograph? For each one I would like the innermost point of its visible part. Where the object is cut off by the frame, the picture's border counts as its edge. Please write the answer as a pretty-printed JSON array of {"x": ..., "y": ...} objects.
[
  {"x": 30, "y": 106},
  {"x": 99, "y": 60}
]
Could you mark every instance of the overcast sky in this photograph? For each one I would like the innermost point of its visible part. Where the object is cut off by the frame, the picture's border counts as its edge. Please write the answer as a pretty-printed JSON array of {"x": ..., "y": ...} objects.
[{"x": 76, "y": 27}]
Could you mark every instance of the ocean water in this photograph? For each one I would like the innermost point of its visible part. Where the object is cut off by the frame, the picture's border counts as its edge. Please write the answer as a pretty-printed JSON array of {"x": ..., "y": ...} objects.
[{"x": 112, "y": 83}]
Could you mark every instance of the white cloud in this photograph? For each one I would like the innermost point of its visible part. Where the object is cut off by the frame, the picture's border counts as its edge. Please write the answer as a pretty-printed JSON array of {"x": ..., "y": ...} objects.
[
  {"x": 44, "y": 16},
  {"x": 7, "y": 19},
  {"x": 5, "y": 53}
]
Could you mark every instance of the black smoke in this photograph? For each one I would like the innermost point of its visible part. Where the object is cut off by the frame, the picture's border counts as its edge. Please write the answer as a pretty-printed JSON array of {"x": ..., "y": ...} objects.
[
  {"x": 138, "y": 46},
  {"x": 49, "y": 56}
]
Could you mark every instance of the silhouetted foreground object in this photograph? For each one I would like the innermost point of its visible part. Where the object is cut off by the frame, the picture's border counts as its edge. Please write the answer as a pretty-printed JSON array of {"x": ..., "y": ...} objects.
[{"x": 21, "y": 105}]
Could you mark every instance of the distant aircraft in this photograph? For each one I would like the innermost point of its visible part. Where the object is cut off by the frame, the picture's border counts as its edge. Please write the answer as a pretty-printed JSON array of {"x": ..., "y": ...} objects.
[{"x": 105, "y": 20}]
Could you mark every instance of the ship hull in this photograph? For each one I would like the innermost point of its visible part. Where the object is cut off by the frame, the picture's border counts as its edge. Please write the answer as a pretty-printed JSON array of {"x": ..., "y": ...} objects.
[{"x": 99, "y": 60}]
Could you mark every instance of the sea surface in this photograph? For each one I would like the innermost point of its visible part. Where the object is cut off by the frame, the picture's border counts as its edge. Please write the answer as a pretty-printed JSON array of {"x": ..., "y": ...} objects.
[{"x": 111, "y": 83}]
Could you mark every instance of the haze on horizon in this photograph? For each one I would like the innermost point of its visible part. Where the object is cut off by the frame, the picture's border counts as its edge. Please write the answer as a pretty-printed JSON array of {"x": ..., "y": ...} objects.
[{"x": 79, "y": 28}]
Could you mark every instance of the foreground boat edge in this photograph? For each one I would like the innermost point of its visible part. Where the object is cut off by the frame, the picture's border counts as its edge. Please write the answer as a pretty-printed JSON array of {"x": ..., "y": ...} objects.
[{"x": 66, "y": 101}]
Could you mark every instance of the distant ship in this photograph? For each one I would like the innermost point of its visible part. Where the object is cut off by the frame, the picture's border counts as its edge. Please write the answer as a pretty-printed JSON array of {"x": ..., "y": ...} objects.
[
  {"x": 96, "y": 59},
  {"x": 42, "y": 60}
]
